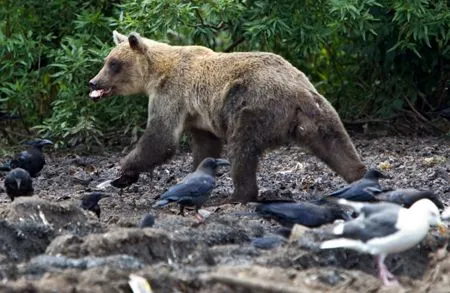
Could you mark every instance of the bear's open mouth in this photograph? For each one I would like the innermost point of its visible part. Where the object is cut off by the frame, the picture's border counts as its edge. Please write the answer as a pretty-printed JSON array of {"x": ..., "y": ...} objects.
[{"x": 96, "y": 95}]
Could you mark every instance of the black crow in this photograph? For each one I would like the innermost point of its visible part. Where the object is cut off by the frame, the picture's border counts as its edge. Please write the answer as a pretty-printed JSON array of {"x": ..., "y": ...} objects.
[
  {"x": 147, "y": 221},
  {"x": 18, "y": 183},
  {"x": 308, "y": 214},
  {"x": 363, "y": 189},
  {"x": 7, "y": 116},
  {"x": 90, "y": 202},
  {"x": 407, "y": 196},
  {"x": 32, "y": 160},
  {"x": 195, "y": 188}
]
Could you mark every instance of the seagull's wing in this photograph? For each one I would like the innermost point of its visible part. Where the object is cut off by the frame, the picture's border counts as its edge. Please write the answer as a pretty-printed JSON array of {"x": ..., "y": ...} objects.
[{"x": 378, "y": 225}]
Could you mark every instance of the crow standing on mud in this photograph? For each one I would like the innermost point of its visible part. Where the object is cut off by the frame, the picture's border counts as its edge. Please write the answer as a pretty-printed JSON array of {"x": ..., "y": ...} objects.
[
  {"x": 408, "y": 196},
  {"x": 362, "y": 189},
  {"x": 195, "y": 188},
  {"x": 18, "y": 183},
  {"x": 146, "y": 221},
  {"x": 308, "y": 214},
  {"x": 31, "y": 160},
  {"x": 90, "y": 202},
  {"x": 7, "y": 116}
]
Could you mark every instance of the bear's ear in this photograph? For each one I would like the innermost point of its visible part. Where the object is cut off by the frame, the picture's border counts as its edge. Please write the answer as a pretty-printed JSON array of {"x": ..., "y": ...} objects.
[
  {"x": 135, "y": 41},
  {"x": 118, "y": 37}
]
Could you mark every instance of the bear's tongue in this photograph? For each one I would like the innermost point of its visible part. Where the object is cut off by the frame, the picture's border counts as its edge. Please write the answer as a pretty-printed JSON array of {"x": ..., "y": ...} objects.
[{"x": 96, "y": 93}]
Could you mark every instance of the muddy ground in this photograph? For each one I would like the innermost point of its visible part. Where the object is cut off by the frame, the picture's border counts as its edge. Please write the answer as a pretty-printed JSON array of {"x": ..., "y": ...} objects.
[{"x": 48, "y": 244}]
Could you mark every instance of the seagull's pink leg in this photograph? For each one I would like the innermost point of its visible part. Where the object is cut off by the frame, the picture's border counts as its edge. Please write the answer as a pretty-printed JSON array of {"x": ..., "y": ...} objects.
[
  {"x": 387, "y": 277},
  {"x": 199, "y": 217}
]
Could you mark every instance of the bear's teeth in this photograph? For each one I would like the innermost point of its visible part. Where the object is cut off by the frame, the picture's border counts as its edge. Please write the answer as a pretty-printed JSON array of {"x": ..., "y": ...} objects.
[{"x": 96, "y": 93}]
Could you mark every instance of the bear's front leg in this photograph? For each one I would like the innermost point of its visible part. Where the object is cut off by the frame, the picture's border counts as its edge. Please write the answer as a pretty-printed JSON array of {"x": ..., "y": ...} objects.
[
  {"x": 244, "y": 149},
  {"x": 157, "y": 144},
  {"x": 243, "y": 173}
]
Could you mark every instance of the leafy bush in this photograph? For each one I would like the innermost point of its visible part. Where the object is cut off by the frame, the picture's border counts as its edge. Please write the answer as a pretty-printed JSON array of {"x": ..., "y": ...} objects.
[{"x": 369, "y": 58}]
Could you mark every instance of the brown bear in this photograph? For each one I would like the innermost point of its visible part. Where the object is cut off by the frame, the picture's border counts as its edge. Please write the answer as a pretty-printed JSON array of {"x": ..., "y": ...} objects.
[{"x": 253, "y": 101}]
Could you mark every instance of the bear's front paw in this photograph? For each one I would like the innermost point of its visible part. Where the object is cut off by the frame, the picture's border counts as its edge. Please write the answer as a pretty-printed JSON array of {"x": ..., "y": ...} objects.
[{"x": 125, "y": 180}]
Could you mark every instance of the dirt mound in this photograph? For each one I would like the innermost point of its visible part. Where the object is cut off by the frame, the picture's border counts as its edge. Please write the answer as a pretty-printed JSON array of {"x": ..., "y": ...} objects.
[
  {"x": 61, "y": 217},
  {"x": 148, "y": 245}
]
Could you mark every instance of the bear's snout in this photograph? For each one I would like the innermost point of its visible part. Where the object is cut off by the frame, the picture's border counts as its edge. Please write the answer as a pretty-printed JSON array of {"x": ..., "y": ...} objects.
[
  {"x": 93, "y": 84},
  {"x": 98, "y": 90}
]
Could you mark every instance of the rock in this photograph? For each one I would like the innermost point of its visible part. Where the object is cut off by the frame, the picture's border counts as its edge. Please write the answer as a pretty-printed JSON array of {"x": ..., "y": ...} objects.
[
  {"x": 297, "y": 232},
  {"x": 96, "y": 280},
  {"x": 59, "y": 216},
  {"x": 21, "y": 241},
  {"x": 148, "y": 245},
  {"x": 216, "y": 230},
  {"x": 268, "y": 242},
  {"x": 47, "y": 263}
]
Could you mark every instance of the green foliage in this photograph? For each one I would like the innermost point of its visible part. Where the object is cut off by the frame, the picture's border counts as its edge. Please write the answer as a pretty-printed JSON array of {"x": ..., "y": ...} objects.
[
  {"x": 369, "y": 58},
  {"x": 51, "y": 51}
]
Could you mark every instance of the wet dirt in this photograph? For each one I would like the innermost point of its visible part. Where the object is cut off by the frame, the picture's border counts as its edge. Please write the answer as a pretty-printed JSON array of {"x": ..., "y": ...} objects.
[{"x": 49, "y": 244}]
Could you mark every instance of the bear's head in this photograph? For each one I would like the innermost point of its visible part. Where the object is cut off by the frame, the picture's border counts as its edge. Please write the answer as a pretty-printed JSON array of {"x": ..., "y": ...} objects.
[{"x": 124, "y": 69}]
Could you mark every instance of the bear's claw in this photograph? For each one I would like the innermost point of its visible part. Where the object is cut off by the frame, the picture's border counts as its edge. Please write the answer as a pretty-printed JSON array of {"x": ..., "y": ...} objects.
[{"x": 125, "y": 180}]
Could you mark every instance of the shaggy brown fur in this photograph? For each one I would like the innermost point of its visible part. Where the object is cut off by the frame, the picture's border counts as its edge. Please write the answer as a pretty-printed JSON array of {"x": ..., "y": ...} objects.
[{"x": 252, "y": 101}]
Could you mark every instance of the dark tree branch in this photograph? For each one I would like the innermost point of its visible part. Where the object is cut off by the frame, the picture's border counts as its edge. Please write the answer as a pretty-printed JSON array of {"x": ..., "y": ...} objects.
[{"x": 235, "y": 44}]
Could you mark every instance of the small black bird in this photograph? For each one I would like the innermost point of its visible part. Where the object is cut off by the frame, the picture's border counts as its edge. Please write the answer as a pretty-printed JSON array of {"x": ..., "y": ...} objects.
[
  {"x": 308, "y": 214},
  {"x": 363, "y": 189},
  {"x": 90, "y": 202},
  {"x": 147, "y": 221},
  {"x": 443, "y": 112},
  {"x": 195, "y": 188},
  {"x": 268, "y": 242},
  {"x": 32, "y": 160},
  {"x": 407, "y": 196},
  {"x": 18, "y": 183},
  {"x": 7, "y": 116}
]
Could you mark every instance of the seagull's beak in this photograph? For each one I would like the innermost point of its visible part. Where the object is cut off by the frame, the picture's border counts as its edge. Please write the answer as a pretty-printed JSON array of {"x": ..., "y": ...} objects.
[{"x": 442, "y": 228}]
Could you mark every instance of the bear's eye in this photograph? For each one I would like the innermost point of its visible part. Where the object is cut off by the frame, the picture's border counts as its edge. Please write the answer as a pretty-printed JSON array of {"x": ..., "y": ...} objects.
[{"x": 114, "y": 65}]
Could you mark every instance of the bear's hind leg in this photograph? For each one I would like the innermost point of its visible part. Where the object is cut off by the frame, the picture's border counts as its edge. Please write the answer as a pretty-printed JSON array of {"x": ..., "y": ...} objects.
[{"x": 204, "y": 144}]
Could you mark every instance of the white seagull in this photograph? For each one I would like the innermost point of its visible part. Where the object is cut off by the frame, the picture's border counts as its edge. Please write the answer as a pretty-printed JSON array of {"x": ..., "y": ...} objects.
[{"x": 385, "y": 228}]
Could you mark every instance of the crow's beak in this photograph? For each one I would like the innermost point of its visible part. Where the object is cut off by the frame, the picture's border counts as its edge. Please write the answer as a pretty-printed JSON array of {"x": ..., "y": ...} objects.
[
  {"x": 44, "y": 142},
  {"x": 18, "y": 181},
  {"x": 39, "y": 142},
  {"x": 222, "y": 162},
  {"x": 102, "y": 195},
  {"x": 105, "y": 195}
]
